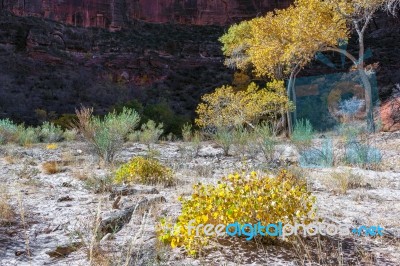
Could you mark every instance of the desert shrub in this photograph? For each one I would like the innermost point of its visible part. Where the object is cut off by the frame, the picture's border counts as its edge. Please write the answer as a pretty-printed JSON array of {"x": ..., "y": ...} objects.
[
  {"x": 51, "y": 167},
  {"x": 150, "y": 132},
  {"x": 187, "y": 133},
  {"x": 226, "y": 108},
  {"x": 351, "y": 131},
  {"x": 8, "y": 131},
  {"x": 238, "y": 198},
  {"x": 244, "y": 140},
  {"x": 224, "y": 138},
  {"x": 50, "y": 133},
  {"x": 266, "y": 140},
  {"x": 106, "y": 135},
  {"x": 145, "y": 171},
  {"x": 70, "y": 134},
  {"x": 160, "y": 113},
  {"x": 303, "y": 134},
  {"x": 318, "y": 157},
  {"x": 362, "y": 154},
  {"x": 350, "y": 107},
  {"x": 27, "y": 136}
]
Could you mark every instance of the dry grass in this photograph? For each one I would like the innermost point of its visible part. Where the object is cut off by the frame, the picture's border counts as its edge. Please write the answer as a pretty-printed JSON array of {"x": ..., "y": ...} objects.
[
  {"x": 10, "y": 159},
  {"x": 6, "y": 213},
  {"x": 80, "y": 174},
  {"x": 340, "y": 182},
  {"x": 51, "y": 167}
]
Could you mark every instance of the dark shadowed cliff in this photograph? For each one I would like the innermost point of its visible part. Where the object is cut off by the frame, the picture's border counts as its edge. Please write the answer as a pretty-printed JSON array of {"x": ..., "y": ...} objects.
[{"x": 118, "y": 13}]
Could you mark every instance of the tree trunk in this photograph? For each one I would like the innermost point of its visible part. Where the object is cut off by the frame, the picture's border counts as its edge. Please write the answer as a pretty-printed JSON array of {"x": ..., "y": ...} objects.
[{"x": 366, "y": 83}]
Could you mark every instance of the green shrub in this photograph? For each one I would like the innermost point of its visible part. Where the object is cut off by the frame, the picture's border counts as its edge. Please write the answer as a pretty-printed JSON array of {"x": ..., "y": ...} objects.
[
  {"x": 224, "y": 138},
  {"x": 303, "y": 134},
  {"x": 70, "y": 134},
  {"x": 163, "y": 113},
  {"x": 266, "y": 140},
  {"x": 150, "y": 132},
  {"x": 362, "y": 155},
  {"x": 351, "y": 131},
  {"x": 243, "y": 140},
  {"x": 50, "y": 133},
  {"x": 8, "y": 131},
  {"x": 187, "y": 133},
  {"x": 145, "y": 171},
  {"x": 246, "y": 199},
  {"x": 106, "y": 135},
  {"x": 27, "y": 136},
  {"x": 318, "y": 157}
]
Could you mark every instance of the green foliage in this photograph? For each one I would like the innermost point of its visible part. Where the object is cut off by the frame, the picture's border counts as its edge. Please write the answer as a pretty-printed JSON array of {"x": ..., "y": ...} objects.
[
  {"x": 70, "y": 134},
  {"x": 303, "y": 133},
  {"x": 50, "y": 133},
  {"x": 238, "y": 198},
  {"x": 145, "y": 171},
  {"x": 8, "y": 131},
  {"x": 27, "y": 136},
  {"x": 106, "y": 135},
  {"x": 187, "y": 133},
  {"x": 351, "y": 131},
  {"x": 243, "y": 140},
  {"x": 224, "y": 138},
  {"x": 160, "y": 113},
  {"x": 266, "y": 140},
  {"x": 150, "y": 132},
  {"x": 318, "y": 157},
  {"x": 362, "y": 154}
]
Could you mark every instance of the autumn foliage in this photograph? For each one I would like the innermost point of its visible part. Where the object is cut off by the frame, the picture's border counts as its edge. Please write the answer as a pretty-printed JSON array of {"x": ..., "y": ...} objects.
[{"x": 227, "y": 108}]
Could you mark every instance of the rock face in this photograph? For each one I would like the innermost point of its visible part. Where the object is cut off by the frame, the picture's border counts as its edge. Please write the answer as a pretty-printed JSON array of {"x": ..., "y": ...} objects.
[
  {"x": 117, "y": 13},
  {"x": 390, "y": 112}
]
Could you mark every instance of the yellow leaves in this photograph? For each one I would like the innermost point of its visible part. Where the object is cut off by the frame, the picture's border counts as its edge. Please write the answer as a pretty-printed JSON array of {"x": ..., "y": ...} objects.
[
  {"x": 243, "y": 198},
  {"x": 225, "y": 107},
  {"x": 145, "y": 171},
  {"x": 276, "y": 42}
]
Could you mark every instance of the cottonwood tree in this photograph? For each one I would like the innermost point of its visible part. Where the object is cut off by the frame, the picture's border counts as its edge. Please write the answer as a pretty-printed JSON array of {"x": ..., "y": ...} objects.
[{"x": 281, "y": 43}]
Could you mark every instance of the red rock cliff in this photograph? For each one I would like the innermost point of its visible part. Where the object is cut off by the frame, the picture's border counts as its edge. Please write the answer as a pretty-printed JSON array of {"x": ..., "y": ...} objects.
[{"x": 116, "y": 13}]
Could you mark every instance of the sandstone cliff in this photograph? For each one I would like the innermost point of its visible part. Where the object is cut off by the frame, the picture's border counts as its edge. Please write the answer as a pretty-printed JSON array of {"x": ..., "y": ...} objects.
[{"x": 117, "y": 13}]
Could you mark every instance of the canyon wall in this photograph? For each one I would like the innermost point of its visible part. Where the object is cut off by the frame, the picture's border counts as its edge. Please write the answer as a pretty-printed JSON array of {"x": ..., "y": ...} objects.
[{"x": 118, "y": 13}]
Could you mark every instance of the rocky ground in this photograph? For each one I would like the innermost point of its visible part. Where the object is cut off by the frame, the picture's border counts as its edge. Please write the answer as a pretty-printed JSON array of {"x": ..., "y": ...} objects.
[{"x": 57, "y": 216}]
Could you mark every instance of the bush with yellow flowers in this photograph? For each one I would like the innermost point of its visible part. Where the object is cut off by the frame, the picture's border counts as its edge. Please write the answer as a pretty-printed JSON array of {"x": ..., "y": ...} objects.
[
  {"x": 238, "y": 198},
  {"x": 145, "y": 171},
  {"x": 225, "y": 107}
]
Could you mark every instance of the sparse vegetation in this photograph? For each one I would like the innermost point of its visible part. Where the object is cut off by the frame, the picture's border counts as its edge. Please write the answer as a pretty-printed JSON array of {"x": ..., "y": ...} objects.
[
  {"x": 6, "y": 210},
  {"x": 106, "y": 135},
  {"x": 150, "y": 133}
]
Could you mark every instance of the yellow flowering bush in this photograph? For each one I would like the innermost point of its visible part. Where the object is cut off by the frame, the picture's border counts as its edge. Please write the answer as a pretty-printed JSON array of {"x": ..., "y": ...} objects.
[
  {"x": 225, "y": 107},
  {"x": 145, "y": 171},
  {"x": 238, "y": 198}
]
